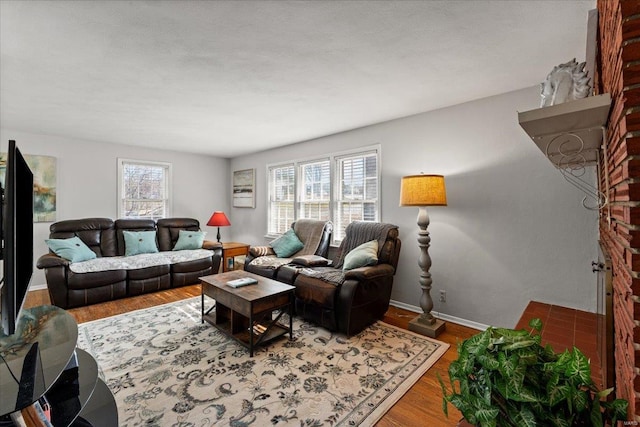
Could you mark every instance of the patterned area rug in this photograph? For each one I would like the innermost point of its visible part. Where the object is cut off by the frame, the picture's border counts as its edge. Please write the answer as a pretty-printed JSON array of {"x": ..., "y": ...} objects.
[{"x": 165, "y": 368}]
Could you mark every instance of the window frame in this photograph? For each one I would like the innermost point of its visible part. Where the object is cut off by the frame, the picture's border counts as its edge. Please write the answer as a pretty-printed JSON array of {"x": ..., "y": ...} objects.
[
  {"x": 333, "y": 158},
  {"x": 168, "y": 183}
]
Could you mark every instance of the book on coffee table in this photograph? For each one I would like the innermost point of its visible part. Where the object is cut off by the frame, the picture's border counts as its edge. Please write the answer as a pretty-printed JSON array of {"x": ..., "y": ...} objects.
[{"x": 242, "y": 282}]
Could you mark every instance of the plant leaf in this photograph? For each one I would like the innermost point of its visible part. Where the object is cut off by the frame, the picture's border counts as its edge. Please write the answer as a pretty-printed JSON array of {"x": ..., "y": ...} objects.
[
  {"x": 581, "y": 401},
  {"x": 478, "y": 343},
  {"x": 596, "y": 414},
  {"x": 455, "y": 369},
  {"x": 445, "y": 406},
  {"x": 520, "y": 344},
  {"x": 524, "y": 394},
  {"x": 548, "y": 355},
  {"x": 617, "y": 409},
  {"x": 488, "y": 361},
  {"x": 525, "y": 418},
  {"x": 485, "y": 416},
  {"x": 578, "y": 367},
  {"x": 558, "y": 420},
  {"x": 536, "y": 324},
  {"x": 557, "y": 394}
]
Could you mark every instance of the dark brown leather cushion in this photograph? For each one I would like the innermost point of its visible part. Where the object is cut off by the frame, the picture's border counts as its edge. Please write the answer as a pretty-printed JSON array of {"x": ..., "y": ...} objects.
[
  {"x": 189, "y": 266},
  {"x": 315, "y": 291},
  {"x": 95, "y": 280},
  {"x": 310, "y": 261},
  {"x": 148, "y": 272},
  {"x": 169, "y": 230},
  {"x": 97, "y": 233},
  {"x": 131, "y": 225}
]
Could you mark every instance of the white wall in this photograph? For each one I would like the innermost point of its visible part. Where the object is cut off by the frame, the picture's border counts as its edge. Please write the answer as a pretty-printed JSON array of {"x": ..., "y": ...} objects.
[
  {"x": 87, "y": 181},
  {"x": 513, "y": 231}
]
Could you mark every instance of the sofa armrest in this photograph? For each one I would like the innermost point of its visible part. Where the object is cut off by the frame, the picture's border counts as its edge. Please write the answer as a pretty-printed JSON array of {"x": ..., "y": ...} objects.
[
  {"x": 211, "y": 245},
  {"x": 257, "y": 252},
  {"x": 369, "y": 272},
  {"x": 50, "y": 261}
]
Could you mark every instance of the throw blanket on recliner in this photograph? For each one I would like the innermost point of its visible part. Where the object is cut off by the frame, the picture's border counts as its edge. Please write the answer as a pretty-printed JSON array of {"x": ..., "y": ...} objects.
[
  {"x": 359, "y": 232},
  {"x": 270, "y": 261},
  {"x": 310, "y": 233}
]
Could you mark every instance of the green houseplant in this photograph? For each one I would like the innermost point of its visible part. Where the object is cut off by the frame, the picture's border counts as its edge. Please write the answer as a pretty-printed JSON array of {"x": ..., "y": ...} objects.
[{"x": 507, "y": 378}]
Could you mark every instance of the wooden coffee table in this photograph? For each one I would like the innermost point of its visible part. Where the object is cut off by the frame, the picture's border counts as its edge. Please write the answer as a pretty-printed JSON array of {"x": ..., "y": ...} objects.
[{"x": 247, "y": 313}]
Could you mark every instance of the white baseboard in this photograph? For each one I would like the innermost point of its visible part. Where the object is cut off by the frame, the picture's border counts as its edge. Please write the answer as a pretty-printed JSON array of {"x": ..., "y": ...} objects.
[
  {"x": 40, "y": 287},
  {"x": 464, "y": 322}
]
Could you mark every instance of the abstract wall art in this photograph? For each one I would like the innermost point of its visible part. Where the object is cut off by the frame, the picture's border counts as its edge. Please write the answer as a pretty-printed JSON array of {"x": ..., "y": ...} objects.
[
  {"x": 44, "y": 185},
  {"x": 244, "y": 195}
]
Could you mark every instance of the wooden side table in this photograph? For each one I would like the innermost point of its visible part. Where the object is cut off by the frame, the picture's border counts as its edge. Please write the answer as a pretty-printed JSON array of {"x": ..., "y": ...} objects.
[{"x": 230, "y": 250}]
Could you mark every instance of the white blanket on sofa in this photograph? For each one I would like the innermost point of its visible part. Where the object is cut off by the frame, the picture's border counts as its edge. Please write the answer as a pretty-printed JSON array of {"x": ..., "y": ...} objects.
[{"x": 135, "y": 262}]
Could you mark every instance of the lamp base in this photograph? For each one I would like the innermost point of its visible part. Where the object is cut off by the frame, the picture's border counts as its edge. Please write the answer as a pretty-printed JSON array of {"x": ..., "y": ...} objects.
[{"x": 422, "y": 328}]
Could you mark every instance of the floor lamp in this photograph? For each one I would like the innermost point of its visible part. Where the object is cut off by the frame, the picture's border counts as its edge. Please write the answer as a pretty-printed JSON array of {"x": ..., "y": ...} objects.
[{"x": 423, "y": 191}]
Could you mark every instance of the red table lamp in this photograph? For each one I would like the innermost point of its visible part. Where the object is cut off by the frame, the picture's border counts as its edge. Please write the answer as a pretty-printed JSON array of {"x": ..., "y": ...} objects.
[{"x": 218, "y": 219}]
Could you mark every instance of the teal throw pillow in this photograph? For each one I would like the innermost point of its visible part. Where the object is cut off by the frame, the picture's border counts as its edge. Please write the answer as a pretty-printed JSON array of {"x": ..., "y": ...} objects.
[
  {"x": 72, "y": 249},
  {"x": 139, "y": 242},
  {"x": 287, "y": 244},
  {"x": 189, "y": 240},
  {"x": 365, "y": 254}
]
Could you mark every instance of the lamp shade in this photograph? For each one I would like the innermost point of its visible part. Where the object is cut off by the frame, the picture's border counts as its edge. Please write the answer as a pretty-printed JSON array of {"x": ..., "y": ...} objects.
[
  {"x": 423, "y": 190},
  {"x": 218, "y": 219}
]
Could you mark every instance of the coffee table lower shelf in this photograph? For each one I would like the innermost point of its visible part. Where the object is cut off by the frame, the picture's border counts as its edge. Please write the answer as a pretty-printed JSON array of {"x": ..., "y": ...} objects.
[{"x": 273, "y": 331}]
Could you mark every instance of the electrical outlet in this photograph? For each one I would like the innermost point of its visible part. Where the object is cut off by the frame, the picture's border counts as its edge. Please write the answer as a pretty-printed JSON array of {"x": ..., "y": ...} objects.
[{"x": 443, "y": 296}]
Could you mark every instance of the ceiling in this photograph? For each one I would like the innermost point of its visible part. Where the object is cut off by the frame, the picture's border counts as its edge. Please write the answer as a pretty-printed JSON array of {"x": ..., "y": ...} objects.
[{"x": 228, "y": 78}]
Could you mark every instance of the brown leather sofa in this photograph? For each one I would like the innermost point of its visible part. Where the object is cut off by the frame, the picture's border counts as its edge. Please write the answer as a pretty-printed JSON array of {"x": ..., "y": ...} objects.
[
  {"x": 345, "y": 301},
  {"x": 104, "y": 236}
]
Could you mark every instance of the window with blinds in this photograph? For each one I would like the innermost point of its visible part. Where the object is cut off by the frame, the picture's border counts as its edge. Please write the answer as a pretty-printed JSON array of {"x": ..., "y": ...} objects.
[
  {"x": 341, "y": 187},
  {"x": 282, "y": 183},
  {"x": 315, "y": 190},
  {"x": 357, "y": 192},
  {"x": 143, "y": 189}
]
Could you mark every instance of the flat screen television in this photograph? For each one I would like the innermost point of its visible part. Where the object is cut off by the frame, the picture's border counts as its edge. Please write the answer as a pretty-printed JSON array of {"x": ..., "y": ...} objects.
[{"x": 17, "y": 238}]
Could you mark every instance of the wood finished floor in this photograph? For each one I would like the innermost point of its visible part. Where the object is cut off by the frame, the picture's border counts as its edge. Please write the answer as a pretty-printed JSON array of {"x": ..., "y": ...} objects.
[{"x": 420, "y": 406}]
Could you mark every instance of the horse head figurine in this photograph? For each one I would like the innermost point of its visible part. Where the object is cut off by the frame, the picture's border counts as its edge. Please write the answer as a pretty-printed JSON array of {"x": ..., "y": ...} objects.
[{"x": 566, "y": 82}]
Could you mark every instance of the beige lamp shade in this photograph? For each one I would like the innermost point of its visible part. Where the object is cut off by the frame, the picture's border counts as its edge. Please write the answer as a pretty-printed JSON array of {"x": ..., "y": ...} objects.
[{"x": 423, "y": 190}]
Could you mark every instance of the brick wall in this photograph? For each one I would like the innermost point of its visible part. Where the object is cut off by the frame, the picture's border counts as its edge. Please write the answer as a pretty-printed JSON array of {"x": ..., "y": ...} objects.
[{"x": 618, "y": 73}]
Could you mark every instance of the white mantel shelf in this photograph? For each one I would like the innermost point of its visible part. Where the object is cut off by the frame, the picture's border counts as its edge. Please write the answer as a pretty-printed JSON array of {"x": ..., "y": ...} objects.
[{"x": 569, "y": 134}]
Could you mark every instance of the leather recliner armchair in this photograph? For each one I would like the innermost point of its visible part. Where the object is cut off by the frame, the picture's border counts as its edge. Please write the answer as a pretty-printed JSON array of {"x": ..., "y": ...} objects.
[{"x": 360, "y": 296}]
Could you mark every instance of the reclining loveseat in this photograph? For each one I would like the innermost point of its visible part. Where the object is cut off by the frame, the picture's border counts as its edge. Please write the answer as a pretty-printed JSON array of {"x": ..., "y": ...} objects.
[
  {"x": 315, "y": 237},
  {"x": 339, "y": 294},
  {"x": 112, "y": 274}
]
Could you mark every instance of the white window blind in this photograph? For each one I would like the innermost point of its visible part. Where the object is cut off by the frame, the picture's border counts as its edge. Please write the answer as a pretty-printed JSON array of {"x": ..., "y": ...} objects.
[
  {"x": 281, "y": 198},
  {"x": 143, "y": 189},
  {"x": 357, "y": 193},
  {"x": 315, "y": 190}
]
